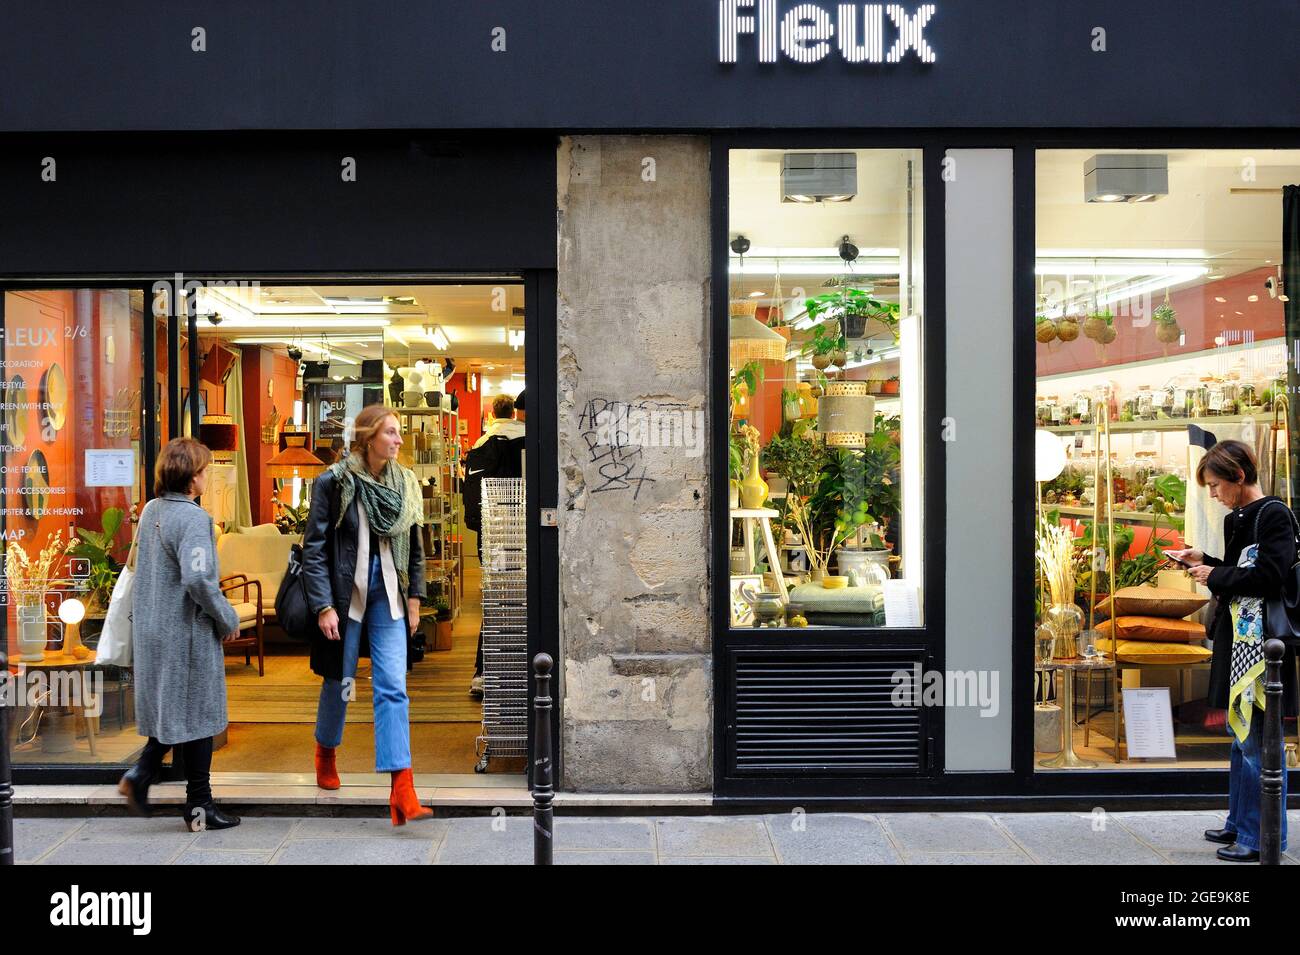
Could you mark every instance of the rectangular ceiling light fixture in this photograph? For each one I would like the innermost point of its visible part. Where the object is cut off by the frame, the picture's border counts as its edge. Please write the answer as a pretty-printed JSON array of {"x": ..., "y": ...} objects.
[
  {"x": 1125, "y": 177},
  {"x": 438, "y": 337},
  {"x": 819, "y": 177}
]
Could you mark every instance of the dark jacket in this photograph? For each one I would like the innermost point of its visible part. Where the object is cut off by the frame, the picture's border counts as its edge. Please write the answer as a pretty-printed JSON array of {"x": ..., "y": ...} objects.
[
  {"x": 1276, "y": 554},
  {"x": 329, "y": 563}
]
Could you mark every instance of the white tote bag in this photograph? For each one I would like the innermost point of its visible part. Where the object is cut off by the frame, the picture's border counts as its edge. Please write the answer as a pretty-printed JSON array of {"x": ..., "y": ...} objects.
[{"x": 115, "y": 638}]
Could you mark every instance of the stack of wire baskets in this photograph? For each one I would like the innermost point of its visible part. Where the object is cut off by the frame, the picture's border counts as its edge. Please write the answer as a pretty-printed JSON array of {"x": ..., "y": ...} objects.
[{"x": 505, "y": 622}]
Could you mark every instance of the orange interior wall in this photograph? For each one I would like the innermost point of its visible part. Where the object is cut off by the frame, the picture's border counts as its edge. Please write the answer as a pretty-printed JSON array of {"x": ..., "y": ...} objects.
[
  {"x": 470, "y": 408},
  {"x": 260, "y": 365}
]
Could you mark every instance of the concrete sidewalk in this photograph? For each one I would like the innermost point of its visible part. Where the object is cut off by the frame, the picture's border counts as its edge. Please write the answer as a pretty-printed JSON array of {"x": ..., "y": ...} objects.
[{"x": 1134, "y": 838}]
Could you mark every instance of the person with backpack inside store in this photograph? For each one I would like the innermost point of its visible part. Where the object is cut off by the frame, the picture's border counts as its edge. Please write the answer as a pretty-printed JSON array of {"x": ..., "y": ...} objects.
[{"x": 497, "y": 454}]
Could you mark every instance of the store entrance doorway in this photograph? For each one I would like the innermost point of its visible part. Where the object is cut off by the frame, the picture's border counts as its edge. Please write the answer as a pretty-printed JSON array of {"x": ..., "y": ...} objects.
[{"x": 284, "y": 368}]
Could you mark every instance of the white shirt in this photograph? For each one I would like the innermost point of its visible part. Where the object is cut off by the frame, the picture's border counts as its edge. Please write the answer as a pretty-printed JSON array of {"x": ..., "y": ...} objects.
[{"x": 361, "y": 578}]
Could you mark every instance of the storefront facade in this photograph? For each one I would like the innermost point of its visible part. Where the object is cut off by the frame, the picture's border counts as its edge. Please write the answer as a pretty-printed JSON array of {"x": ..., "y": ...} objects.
[{"x": 611, "y": 163}]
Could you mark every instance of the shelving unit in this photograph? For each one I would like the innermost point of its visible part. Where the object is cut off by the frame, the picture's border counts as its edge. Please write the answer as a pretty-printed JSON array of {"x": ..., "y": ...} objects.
[
  {"x": 436, "y": 463},
  {"x": 1163, "y": 424}
]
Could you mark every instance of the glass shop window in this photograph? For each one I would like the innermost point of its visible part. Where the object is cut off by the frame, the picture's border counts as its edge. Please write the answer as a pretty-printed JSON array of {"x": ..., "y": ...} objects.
[
  {"x": 1161, "y": 327},
  {"x": 73, "y": 374},
  {"x": 825, "y": 446}
]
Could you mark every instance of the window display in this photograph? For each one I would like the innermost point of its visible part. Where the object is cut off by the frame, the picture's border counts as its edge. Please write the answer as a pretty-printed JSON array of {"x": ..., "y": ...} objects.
[
  {"x": 73, "y": 460},
  {"x": 1159, "y": 331},
  {"x": 825, "y": 357}
]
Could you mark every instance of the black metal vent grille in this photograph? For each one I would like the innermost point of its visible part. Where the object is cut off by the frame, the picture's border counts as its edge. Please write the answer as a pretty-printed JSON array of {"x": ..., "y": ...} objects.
[{"x": 823, "y": 713}]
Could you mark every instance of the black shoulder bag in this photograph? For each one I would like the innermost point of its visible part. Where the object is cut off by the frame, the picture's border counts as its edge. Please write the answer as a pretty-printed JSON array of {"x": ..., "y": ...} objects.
[
  {"x": 292, "y": 608},
  {"x": 1282, "y": 611}
]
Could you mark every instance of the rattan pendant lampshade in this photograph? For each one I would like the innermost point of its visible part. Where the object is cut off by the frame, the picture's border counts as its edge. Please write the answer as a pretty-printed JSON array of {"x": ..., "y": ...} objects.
[
  {"x": 751, "y": 340},
  {"x": 295, "y": 461}
]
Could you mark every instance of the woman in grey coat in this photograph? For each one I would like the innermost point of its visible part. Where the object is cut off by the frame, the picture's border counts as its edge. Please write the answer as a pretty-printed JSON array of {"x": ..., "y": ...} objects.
[{"x": 180, "y": 618}]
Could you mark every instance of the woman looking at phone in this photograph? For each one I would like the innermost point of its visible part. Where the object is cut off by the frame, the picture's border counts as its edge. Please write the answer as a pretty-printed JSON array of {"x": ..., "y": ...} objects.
[{"x": 1259, "y": 549}]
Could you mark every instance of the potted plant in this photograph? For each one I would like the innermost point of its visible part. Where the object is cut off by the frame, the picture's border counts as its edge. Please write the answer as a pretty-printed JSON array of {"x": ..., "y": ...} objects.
[
  {"x": 97, "y": 547},
  {"x": 441, "y": 623},
  {"x": 891, "y": 386},
  {"x": 791, "y": 407},
  {"x": 27, "y": 581},
  {"x": 851, "y": 309},
  {"x": 1100, "y": 326},
  {"x": 1168, "y": 331},
  {"x": 292, "y": 518},
  {"x": 824, "y": 345}
]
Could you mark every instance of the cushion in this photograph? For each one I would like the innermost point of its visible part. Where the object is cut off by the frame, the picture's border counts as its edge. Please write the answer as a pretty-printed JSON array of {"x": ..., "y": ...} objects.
[
  {"x": 1154, "y": 629},
  {"x": 247, "y": 614},
  {"x": 814, "y": 598},
  {"x": 1170, "y": 654},
  {"x": 1154, "y": 602}
]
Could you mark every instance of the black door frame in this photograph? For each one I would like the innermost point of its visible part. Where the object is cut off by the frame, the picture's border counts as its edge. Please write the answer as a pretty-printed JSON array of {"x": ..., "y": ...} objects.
[{"x": 540, "y": 440}]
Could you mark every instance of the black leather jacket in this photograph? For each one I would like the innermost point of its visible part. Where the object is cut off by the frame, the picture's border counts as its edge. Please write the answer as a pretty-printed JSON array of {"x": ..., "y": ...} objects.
[{"x": 329, "y": 563}]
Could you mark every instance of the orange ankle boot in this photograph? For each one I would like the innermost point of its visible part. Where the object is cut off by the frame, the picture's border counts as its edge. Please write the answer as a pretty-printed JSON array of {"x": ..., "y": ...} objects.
[
  {"x": 403, "y": 802},
  {"x": 327, "y": 775}
]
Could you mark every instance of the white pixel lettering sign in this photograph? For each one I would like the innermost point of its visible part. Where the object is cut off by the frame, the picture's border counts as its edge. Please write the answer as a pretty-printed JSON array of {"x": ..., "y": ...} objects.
[{"x": 807, "y": 33}]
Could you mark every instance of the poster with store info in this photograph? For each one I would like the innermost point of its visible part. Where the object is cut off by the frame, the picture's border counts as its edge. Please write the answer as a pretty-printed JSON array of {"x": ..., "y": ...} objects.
[
  {"x": 1148, "y": 722},
  {"x": 110, "y": 467}
]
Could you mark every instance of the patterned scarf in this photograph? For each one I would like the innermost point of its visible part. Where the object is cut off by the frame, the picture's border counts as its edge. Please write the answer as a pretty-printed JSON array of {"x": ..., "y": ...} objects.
[
  {"x": 392, "y": 501},
  {"x": 1246, "y": 682}
]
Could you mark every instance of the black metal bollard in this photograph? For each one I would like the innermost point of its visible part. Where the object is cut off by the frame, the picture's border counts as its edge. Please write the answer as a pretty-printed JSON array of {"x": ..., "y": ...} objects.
[
  {"x": 1272, "y": 759},
  {"x": 543, "y": 775}
]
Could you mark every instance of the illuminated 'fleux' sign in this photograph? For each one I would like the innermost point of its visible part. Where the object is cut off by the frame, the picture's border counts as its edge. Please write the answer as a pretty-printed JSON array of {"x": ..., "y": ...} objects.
[{"x": 806, "y": 32}]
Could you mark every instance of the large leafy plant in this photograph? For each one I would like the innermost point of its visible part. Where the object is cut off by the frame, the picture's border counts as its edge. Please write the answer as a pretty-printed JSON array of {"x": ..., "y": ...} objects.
[
  {"x": 97, "y": 548},
  {"x": 851, "y": 307}
]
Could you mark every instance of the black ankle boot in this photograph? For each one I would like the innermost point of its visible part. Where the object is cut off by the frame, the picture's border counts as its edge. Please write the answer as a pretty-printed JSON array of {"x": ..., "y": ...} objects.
[
  {"x": 208, "y": 815},
  {"x": 135, "y": 787},
  {"x": 1237, "y": 853}
]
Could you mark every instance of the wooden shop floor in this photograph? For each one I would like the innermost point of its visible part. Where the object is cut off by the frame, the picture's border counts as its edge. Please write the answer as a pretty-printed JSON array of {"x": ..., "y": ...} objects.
[
  {"x": 272, "y": 716},
  {"x": 1100, "y": 748}
]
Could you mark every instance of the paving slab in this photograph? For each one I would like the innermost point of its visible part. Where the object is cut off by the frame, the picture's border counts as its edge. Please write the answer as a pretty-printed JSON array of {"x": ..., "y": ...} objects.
[
  {"x": 831, "y": 839},
  {"x": 939, "y": 832},
  {"x": 599, "y": 857},
  {"x": 1070, "y": 839},
  {"x": 713, "y": 836},
  {"x": 500, "y": 840},
  {"x": 35, "y": 837},
  {"x": 223, "y": 857},
  {"x": 365, "y": 850}
]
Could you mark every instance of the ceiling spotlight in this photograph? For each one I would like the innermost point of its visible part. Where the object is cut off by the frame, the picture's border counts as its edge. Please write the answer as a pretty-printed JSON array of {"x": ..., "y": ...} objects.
[
  {"x": 1125, "y": 177},
  {"x": 294, "y": 352},
  {"x": 214, "y": 318},
  {"x": 848, "y": 251},
  {"x": 740, "y": 245},
  {"x": 819, "y": 177}
]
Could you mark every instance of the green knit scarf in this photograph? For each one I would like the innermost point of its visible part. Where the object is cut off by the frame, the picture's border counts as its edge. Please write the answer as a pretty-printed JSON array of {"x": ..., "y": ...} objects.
[{"x": 392, "y": 501}]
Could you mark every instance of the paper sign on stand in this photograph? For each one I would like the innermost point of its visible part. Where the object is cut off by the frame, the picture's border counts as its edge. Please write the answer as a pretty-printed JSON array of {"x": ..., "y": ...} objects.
[
  {"x": 1148, "y": 722},
  {"x": 902, "y": 608}
]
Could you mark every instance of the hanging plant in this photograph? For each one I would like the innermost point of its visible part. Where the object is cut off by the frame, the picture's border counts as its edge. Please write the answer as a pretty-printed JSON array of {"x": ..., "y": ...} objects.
[
  {"x": 1045, "y": 329},
  {"x": 1067, "y": 328},
  {"x": 1168, "y": 331},
  {"x": 1100, "y": 326}
]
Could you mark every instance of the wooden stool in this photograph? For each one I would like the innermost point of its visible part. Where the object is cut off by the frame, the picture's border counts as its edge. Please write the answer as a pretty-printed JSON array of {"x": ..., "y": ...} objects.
[{"x": 762, "y": 516}]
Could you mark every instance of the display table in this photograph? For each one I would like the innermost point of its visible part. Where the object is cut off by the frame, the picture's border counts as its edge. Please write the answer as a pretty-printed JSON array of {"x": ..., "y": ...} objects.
[
  {"x": 1068, "y": 758},
  {"x": 66, "y": 661}
]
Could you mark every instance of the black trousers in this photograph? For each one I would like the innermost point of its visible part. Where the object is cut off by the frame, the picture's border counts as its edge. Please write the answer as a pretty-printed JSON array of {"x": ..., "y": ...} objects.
[{"x": 197, "y": 758}]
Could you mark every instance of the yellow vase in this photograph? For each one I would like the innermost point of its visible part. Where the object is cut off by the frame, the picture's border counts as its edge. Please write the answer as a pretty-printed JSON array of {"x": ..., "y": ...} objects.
[{"x": 753, "y": 490}]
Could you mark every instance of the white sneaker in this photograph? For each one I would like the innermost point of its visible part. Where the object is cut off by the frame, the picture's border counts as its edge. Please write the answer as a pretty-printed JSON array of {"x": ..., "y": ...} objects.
[{"x": 476, "y": 687}]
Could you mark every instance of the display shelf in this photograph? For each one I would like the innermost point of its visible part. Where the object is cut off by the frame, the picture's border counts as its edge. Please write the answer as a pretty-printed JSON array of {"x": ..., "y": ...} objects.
[
  {"x": 1162, "y": 424},
  {"x": 1205, "y": 360},
  {"x": 1144, "y": 517},
  {"x": 441, "y": 527}
]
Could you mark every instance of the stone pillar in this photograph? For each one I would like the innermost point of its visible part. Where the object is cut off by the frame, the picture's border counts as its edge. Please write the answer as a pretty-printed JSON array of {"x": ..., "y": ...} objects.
[{"x": 633, "y": 351}]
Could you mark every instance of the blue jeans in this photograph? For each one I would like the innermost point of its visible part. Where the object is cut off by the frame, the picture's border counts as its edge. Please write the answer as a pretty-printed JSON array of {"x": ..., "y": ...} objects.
[
  {"x": 1244, "y": 776},
  {"x": 387, "y": 676}
]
